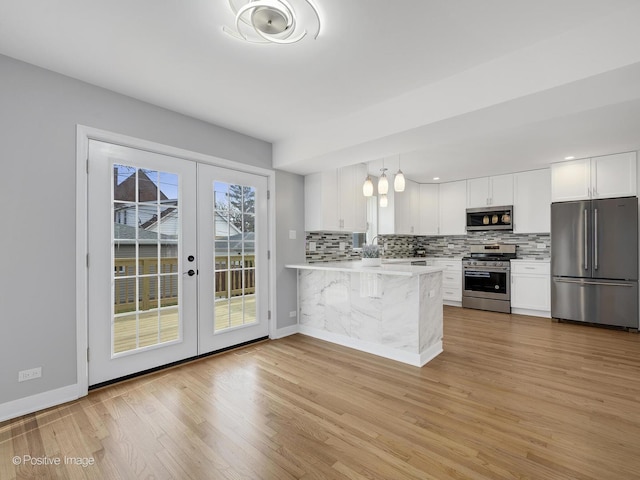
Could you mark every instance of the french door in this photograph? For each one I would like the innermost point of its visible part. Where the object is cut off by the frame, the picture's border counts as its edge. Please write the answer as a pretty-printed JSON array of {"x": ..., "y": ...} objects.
[
  {"x": 232, "y": 250},
  {"x": 177, "y": 259}
]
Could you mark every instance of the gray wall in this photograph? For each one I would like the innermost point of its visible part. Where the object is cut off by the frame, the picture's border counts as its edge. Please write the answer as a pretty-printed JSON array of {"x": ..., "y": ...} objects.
[
  {"x": 289, "y": 216},
  {"x": 39, "y": 111}
]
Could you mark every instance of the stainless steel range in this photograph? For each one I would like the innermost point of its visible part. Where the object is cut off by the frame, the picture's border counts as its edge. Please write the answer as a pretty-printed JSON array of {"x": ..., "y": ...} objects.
[{"x": 486, "y": 278}]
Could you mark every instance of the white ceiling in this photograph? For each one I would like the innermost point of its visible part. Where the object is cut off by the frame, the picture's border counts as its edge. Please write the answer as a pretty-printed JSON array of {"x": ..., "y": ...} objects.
[{"x": 451, "y": 88}]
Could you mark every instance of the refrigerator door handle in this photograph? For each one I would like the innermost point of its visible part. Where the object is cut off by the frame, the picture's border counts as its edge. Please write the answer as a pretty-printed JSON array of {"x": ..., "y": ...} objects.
[
  {"x": 595, "y": 238},
  {"x": 581, "y": 282},
  {"x": 586, "y": 239}
]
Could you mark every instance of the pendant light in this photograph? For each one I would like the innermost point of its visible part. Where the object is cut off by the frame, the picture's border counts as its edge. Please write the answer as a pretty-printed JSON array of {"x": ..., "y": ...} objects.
[
  {"x": 384, "y": 201},
  {"x": 367, "y": 187},
  {"x": 398, "y": 181},
  {"x": 383, "y": 183}
]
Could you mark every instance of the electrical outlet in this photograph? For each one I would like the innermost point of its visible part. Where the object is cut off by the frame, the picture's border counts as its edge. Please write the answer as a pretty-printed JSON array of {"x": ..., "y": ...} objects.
[
  {"x": 30, "y": 374},
  {"x": 541, "y": 246},
  {"x": 343, "y": 246},
  {"x": 312, "y": 246},
  {"x": 432, "y": 293},
  {"x": 451, "y": 245},
  {"x": 292, "y": 234},
  {"x": 292, "y": 314}
]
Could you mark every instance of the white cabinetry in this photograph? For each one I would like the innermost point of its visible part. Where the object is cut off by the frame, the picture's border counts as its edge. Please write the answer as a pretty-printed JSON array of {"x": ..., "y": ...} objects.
[
  {"x": 407, "y": 209},
  {"x": 334, "y": 200},
  {"x": 532, "y": 201},
  {"x": 496, "y": 191},
  {"x": 571, "y": 180},
  {"x": 452, "y": 208},
  {"x": 402, "y": 214},
  {"x": 531, "y": 288},
  {"x": 451, "y": 279},
  {"x": 429, "y": 206},
  {"x": 352, "y": 204},
  {"x": 599, "y": 177},
  {"x": 613, "y": 175}
]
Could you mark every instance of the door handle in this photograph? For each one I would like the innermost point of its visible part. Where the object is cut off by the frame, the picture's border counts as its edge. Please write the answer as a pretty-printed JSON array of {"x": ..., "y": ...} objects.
[
  {"x": 595, "y": 238},
  {"x": 191, "y": 273}
]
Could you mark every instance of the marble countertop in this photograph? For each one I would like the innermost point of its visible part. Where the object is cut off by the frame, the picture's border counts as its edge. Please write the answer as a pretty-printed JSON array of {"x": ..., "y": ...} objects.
[
  {"x": 356, "y": 266},
  {"x": 413, "y": 259},
  {"x": 532, "y": 259}
]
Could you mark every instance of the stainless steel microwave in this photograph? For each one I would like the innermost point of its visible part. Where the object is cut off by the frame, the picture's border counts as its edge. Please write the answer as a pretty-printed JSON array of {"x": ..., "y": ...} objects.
[{"x": 490, "y": 218}]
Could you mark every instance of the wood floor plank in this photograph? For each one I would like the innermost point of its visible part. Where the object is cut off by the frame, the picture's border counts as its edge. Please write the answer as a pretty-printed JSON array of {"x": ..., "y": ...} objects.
[{"x": 511, "y": 397}]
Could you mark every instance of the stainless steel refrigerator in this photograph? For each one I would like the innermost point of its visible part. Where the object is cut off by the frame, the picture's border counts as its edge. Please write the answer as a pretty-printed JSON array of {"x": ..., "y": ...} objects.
[{"x": 594, "y": 261}]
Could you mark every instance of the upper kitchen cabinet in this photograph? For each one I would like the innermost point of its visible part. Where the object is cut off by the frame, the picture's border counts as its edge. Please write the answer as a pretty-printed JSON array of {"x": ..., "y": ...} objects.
[
  {"x": 352, "y": 204},
  {"x": 429, "y": 208},
  {"x": 599, "y": 177},
  {"x": 571, "y": 180},
  {"x": 334, "y": 200},
  {"x": 614, "y": 175},
  {"x": 452, "y": 208},
  {"x": 494, "y": 191},
  {"x": 401, "y": 216},
  {"x": 532, "y": 201}
]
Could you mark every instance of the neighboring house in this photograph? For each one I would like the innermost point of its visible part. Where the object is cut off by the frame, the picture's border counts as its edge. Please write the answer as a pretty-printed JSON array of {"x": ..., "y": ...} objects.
[
  {"x": 125, "y": 213},
  {"x": 135, "y": 222}
]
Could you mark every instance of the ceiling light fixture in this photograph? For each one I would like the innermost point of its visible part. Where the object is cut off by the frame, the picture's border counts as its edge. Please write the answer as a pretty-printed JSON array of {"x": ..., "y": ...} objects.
[
  {"x": 273, "y": 21},
  {"x": 436, "y": 178},
  {"x": 398, "y": 181},
  {"x": 367, "y": 187},
  {"x": 570, "y": 157},
  {"x": 383, "y": 183}
]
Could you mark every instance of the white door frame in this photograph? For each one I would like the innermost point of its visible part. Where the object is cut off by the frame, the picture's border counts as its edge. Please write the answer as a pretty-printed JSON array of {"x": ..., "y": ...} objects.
[{"x": 83, "y": 135}]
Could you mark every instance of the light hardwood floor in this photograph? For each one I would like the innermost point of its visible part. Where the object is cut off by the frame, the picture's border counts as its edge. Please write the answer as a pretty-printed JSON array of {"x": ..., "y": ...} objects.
[{"x": 511, "y": 397}]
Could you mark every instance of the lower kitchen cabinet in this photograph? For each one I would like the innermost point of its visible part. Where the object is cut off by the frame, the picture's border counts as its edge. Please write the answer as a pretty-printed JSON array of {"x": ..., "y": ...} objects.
[
  {"x": 451, "y": 279},
  {"x": 531, "y": 288}
]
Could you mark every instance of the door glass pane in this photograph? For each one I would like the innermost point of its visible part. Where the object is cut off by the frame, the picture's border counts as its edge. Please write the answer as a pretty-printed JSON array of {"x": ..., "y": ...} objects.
[
  {"x": 125, "y": 332},
  {"x": 235, "y": 262},
  {"x": 148, "y": 190},
  {"x": 249, "y": 199},
  {"x": 169, "y": 325},
  {"x": 145, "y": 257},
  {"x": 250, "y": 309},
  {"x": 221, "y": 196},
  {"x": 124, "y": 183}
]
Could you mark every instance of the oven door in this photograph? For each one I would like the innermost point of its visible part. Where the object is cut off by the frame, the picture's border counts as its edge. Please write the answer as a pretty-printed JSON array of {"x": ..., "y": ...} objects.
[{"x": 486, "y": 282}]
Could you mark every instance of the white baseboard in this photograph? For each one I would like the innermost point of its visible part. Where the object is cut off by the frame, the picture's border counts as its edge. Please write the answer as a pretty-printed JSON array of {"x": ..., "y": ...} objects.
[
  {"x": 452, "y": 303},
  {"x": 285, "y": 332},
  {"x": 532, "y": 313},
  {"x": 40, "y": 401},
  {"x": 430, "y": 353},
  {"x": 415, "y": 359}
]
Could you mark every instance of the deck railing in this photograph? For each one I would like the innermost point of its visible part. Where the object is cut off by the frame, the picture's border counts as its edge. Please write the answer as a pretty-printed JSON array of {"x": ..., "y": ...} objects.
[{"x": 234, "y": 275}]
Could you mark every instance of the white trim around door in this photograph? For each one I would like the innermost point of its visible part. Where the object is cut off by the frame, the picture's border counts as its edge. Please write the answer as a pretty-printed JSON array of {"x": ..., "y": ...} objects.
[{"x": 83, "y": 135}]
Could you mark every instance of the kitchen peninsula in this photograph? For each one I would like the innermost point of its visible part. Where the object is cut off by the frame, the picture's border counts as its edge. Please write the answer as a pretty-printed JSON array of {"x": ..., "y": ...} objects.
[{"x": 392, "y": 310}]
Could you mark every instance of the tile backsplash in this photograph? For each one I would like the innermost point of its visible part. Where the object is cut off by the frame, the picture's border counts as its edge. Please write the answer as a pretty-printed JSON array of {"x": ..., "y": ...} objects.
[
  {"x": 328, "y": 245},
  {"x": 458, "y": 245}
]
